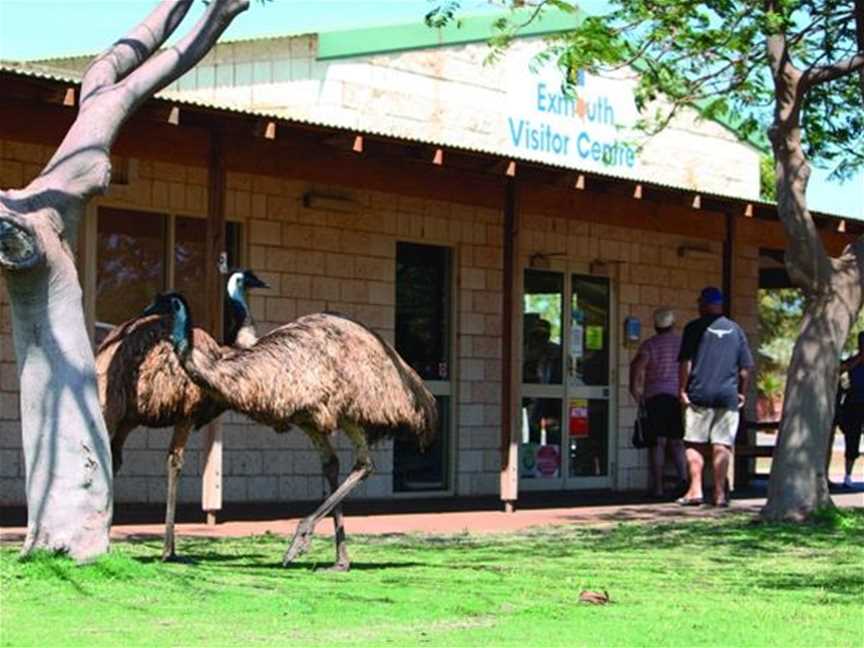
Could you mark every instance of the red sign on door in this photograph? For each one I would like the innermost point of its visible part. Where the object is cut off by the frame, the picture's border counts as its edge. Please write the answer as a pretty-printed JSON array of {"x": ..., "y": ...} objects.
[{"x": 579, "y": 418}]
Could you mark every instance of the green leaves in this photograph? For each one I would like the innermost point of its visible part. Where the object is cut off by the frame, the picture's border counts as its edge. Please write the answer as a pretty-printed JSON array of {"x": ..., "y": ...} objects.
[{"x": 712, "y": 55}]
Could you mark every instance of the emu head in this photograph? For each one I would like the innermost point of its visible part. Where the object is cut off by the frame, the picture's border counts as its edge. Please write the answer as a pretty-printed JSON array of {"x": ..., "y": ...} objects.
[
  {"x": 175, "y": 308},
  {"x": 240, "y": 281}
]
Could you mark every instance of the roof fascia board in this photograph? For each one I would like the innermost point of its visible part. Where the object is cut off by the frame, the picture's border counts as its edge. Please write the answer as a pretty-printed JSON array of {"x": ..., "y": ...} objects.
[{"x": 413, "y": 36}]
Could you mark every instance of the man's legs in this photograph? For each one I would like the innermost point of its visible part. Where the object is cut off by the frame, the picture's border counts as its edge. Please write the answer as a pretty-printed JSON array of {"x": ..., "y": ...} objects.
[
  {"x": 721, "y": 456},
  {"x": 676, "y": 446},
  {"x": 695, "y": 463},
  {"x": 697, "y": 426}
]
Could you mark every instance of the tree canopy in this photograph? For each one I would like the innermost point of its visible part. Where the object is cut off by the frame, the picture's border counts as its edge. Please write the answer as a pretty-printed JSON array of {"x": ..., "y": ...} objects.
[{"x": 712, "y": 56}]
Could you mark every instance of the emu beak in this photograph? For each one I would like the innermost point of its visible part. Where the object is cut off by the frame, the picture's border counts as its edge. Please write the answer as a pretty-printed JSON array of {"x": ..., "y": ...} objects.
[
  {"x": 150, "y": 310},
  {"x": 252, "y": 281}
]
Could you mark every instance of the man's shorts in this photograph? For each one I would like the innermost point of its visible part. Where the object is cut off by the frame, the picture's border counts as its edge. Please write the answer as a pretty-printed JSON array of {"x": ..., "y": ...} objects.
[
  {"x": 710, "y": 425},
  {"x": 664, "y": 416}
]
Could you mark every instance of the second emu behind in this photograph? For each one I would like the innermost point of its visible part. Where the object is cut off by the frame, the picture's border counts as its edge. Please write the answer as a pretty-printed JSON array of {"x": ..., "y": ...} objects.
[
  {"x": 141, "y": 383},
  {"x": 321, "y": 373}
]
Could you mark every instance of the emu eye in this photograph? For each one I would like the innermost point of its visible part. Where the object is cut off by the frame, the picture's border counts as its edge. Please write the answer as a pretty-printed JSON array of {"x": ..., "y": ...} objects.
[{"x": 176, "y": 305}]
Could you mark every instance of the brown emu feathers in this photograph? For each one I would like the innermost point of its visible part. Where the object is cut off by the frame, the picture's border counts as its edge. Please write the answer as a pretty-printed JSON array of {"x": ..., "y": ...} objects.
[
  {"x": 321, "y": 372},
  {"x": 322, "y": 369}
]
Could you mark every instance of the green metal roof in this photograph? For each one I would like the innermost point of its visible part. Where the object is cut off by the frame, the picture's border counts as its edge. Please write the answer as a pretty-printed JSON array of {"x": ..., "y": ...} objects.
[{"x": 418, "y": 35}]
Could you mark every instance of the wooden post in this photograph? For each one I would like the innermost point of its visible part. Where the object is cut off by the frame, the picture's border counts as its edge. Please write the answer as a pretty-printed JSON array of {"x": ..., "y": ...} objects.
[
  {"x": 738, "y": 467},
  {"x": 510, "y": 375},
  {"x": 728, "y": 262},
  {"x": 211, "y": 485}
]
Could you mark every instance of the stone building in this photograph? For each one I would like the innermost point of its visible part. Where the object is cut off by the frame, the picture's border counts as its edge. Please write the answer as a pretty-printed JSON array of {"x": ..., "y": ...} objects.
[{"x": 498, "y": 231}]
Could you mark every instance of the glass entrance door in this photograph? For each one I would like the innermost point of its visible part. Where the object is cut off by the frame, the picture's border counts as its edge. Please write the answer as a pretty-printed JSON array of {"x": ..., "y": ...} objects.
[
  {"x": 543, "y": 335},
  {"x": 566, "y": 371},
  {"x": 588, "y": 382}
]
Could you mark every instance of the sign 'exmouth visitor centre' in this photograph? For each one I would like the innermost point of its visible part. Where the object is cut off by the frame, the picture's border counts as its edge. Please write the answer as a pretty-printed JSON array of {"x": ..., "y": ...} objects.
[{"x": 589, "y": 127}]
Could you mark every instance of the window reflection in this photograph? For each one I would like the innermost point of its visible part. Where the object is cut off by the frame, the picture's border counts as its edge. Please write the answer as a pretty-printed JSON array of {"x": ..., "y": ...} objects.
[
  {"x": 189, "y": 252},
  {"x": 540, "y": 450},
  {"x": 541, "y": 337},
  {"x": 423, "y": 470},
  {"x": 130, "y": 269},
  {"x": 588, "y": 428},
  {"x": 423, "y": 308},
  {"x": 589, "y": 345},
  {"x": 132, "y": 263}
]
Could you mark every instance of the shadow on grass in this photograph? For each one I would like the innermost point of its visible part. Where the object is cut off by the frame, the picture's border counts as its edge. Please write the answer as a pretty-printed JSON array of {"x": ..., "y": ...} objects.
[
  {"x": 851, "y": 586},
  {"x": 734, "y": 544}
]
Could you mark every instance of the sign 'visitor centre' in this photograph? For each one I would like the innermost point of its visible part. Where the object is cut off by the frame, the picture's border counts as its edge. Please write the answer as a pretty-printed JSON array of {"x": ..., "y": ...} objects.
[{"x": 590, "y": 127}]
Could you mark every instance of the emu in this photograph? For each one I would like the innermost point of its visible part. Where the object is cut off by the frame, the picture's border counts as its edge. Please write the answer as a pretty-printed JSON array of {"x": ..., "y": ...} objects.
[
  {"x": 141, "y": 383},
  {"x": 321, "y": 372}
]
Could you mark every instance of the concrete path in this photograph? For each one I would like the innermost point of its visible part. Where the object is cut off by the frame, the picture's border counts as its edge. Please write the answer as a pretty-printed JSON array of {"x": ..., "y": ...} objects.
[{"x": 482, "y": 521}]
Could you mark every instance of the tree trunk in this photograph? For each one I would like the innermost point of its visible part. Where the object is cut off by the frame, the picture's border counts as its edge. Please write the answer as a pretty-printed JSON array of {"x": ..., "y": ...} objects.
[
  {"x": 66, "y": 450},
  {"x": 799, "y": 482},
  {"x": 798, "y": 485}
]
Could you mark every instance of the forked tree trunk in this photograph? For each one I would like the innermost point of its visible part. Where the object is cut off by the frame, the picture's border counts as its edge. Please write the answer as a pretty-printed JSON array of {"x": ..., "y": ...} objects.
[
  {"x": 832, "y": 288},
  {"x": 799, "y": 482},
  {"x": 66, "y": 449}
]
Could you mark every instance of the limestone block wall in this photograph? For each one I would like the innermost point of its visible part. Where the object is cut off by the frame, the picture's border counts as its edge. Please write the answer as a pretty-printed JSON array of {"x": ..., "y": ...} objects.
[
  {"x": 345, "y": 261},
  {"x": 314, "y": 260}
]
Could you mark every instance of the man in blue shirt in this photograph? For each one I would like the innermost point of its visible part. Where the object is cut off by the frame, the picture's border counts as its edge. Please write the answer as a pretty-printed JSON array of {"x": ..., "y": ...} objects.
[
  {"x": 852, "y": 415},
  {"x": 715, "y": 363}
]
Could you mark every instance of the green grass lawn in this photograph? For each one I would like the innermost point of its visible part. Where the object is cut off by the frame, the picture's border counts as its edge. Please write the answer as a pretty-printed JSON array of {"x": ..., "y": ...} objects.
[{"x": 729, "y": 583}]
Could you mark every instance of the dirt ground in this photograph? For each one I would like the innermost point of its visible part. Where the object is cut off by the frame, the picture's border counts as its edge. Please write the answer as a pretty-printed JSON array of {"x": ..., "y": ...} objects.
[{"x": 451, "y": 522}]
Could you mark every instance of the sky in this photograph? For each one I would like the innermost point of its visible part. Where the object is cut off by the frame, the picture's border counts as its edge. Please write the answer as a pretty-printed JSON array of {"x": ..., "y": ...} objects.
[{"x": 51, "y": 28}]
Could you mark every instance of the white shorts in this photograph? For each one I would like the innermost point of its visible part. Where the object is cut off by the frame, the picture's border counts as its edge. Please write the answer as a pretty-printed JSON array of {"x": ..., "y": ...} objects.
[{"x": 710, "y": 425}]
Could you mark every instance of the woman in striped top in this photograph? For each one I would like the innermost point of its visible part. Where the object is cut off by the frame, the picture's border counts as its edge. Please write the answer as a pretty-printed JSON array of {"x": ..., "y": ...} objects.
[{"x": 654, "y": 383}]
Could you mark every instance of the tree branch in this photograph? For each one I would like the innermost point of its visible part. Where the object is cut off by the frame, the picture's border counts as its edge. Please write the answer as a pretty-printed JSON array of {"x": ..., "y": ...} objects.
[
  {"x": 123, "y": 78},
  {"x": 859, "y": 37},
  {"x": 174, "y": 62},
  {"x": 825, "y": 73},
  {"x": 20, "y": 247},
  {"x": 136, "y": 47}
]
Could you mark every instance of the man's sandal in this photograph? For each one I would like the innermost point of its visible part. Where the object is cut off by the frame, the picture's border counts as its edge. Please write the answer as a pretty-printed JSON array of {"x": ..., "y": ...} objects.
[{"x": 689, "y": 501}]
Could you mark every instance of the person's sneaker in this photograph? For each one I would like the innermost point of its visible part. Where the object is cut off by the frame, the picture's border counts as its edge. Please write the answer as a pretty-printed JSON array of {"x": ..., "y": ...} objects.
[{"x": 847, "y": 482}]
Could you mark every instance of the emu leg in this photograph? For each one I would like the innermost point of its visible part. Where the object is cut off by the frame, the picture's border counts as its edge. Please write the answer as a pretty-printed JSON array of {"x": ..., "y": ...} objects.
[
  {"x": 331, "y": 472},
  {"x": 118, "y": 439},
  {"x": 174, "y": 464},
  {"x": 362, "y": 469},
  {"x": 330, "y": 468}
]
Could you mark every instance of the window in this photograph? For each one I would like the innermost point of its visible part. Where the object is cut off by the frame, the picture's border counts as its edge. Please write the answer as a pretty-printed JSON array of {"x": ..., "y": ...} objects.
[
  {"x": 134, "y": 262},
  {"x": 130, "y": 265},
  {"x": 423, "y": 330}
]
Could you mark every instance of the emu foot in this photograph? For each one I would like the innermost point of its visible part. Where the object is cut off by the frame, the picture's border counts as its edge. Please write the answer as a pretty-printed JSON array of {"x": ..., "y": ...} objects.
[
  {"x": 170, "y": 556},
  {"x": 339, "y": 567},
  {"x": 299, "y": 544}
]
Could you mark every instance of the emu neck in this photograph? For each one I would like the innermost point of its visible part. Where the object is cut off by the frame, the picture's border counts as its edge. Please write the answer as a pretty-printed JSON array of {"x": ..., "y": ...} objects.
[
  {"x": 207, "y": 368},
  {"x": 245, "y": 335},
  {"x": 180, "y": 331}
]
